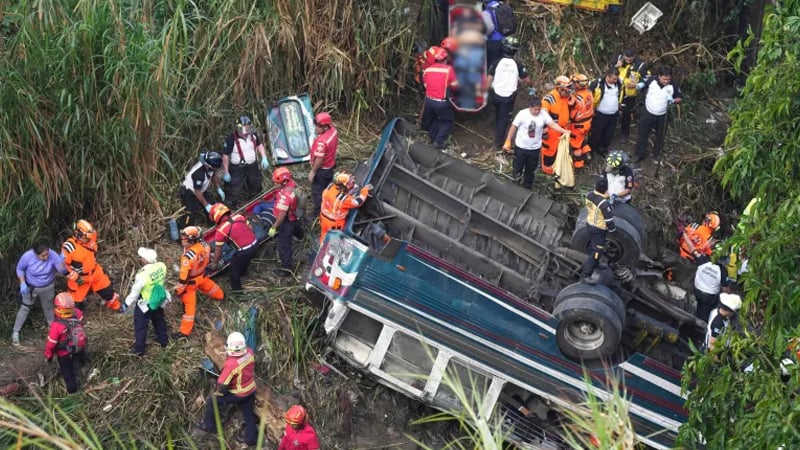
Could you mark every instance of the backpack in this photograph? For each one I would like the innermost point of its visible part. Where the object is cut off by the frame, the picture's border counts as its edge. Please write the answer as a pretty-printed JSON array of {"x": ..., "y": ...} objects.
[
  {"x": 504, "y": 21},
  {"x": 76, "y": 336},
  {"x": 157, "y": 296}
]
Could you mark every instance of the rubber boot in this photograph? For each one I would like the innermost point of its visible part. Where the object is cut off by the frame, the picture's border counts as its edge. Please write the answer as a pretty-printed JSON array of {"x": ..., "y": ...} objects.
[{"x": 15, "y": 338}]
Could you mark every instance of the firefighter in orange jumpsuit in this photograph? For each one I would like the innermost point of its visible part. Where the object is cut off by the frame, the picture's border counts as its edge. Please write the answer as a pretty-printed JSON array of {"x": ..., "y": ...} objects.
[
  {"x": 83, "y": 271},
  {"x": 337, "y": 202},
  {"x": 555, "y": 103},
  {"x": 194, "y": 261},
  {"x": 581, "y": 112},
  {"x": 696, "y": 237}
]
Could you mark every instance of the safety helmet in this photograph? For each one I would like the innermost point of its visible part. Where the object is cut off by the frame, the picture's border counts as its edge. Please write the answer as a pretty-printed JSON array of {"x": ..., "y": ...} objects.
[
  {"x": 211, "y": 159},
  {"x": 218, "y": 211},
  {"x": 712, "y": 220},
  {"x": 450, "y": 44},
  {"x": 343, "y": 179},
  {"x": 440, "y": 54},
  {"x": 580, "y": 80},
  {"x": 323, "y": 119},
  {"x": 510, "y": 44},
  {"x": 731, "y": 301},
  {"x": 236, "y": 344},
  {"x": 563, "y": 85},
  {"x": 281, "y": 175},
  {"x": 244, "y": 126},
  {"x": 615, "y": 159},
  {"x": 64, "y": 305},
  {"x": 84, "y": 231},
  {"x": 296, "y": 415},
  {"x": 191, "y": 233}
]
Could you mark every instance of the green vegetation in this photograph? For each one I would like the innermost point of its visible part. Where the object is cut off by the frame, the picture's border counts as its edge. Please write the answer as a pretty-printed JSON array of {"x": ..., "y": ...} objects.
[{"x": 731, "y": 408}]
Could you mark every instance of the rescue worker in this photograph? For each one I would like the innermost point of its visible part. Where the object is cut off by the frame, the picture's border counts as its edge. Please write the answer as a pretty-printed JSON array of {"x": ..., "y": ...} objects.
[
  {"x": 631, "y": 71},
  {"x": 709, "y": 281},
  {"x": 286, "y": 226},
  {"x": 58, "y": 337},
  {"x": 299, "y": 434},
  {"x": 194, "y": 188},
  {"x": 661, "y": 93},
  {"x": 580, "y": 121},
  {"x": 337, "y": 202},
  {"x": 36, "y": 271},
  {"x": 606, "y": 95},
  {"x": 437, "y": 115},
  {"x": 555, "y": 103},
  {"x": 236, "y": 384},
  {"x": 323, "y": 160},
  {"x": 239, "y": 165},
  {"x": 721, "y": 317},
  {"x": 235, "y": 230},
  {"x": 149, "y": 294},
  {"x": 427, "y": 58},
  {"x": 494, "y": 37},
  {"x": 84, "y": 273},
  {"x": 620, "y": 177},
  {"x": 697, "y": 237},
  {"x": 526, "y": 134},
  {"x": 503, "y": 78},
  {"x": 600, "y": 221},
  {"x": 192, "y": 277}
]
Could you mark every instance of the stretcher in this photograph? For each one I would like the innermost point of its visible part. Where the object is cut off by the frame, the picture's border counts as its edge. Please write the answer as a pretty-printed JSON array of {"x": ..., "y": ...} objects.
[
  {"x": 290, "y": 126},
  {"x": 465, "y": 23}
]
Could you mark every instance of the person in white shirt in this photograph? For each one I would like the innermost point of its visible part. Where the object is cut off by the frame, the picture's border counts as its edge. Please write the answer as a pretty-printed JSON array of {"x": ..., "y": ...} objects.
[
  {"x": 661, "y": 92},
  {"x": 240, "y": 163},
  {"x": 709, "y": 280},
  {"x": 503, "y": 78},
  {"x": 721, "y": 318},
  {"x": 526, "y": 135},
  {"x": 606, "y": 92}
]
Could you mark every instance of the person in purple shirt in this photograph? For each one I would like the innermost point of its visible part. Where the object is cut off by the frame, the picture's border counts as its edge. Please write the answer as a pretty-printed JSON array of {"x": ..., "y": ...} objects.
[{"x": 36, "y": 271}]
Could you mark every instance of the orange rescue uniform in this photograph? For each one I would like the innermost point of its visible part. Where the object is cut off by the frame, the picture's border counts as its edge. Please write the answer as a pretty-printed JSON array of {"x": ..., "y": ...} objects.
[
  {"x": 336, "y": 203},
  {"x": 192, "y": 277},
  {"x": 581, "y": 114},
  {"x": 558, "y": 108},
  {"x": 85, "y": 273},
  {"x": 700, "y": 235}
]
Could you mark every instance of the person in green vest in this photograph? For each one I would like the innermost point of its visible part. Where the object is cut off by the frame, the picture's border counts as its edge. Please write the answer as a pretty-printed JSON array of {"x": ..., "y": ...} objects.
[{"x": 149, "y": 295}]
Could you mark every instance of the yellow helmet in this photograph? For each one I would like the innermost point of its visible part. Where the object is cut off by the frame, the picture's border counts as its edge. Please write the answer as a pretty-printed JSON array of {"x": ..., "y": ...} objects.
[
  {"x": 343, "y": 179},
  {"x": 84, "y": 231}
]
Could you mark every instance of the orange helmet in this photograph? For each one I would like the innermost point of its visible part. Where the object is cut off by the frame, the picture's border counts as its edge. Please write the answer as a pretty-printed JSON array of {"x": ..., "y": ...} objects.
[
  {"x": 563, "y": 85},
  {"x": 296, "y": 415},
  {"x": 64, "y": 305},
  {"x": 191, "y": 233},
  {"x": 712, "y": 220},
  {"x": 218, "y": 210},
  {"x": 343, "y": 179},
  {"x": 450, "y": 44},
  {"x": 440, "y": 54},
  {"x": 84, "y": 231},
  {"x": 281, "y": 175},
  {"x": 580, "y": 80},
  {"x": 323, "y": 119}
]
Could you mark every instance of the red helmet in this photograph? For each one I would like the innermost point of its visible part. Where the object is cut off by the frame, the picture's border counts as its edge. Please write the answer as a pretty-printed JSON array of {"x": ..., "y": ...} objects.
[
  {"x": 84, "y": 231},
  {"x": 281, "y": 175},
  {"x": 440, "y": 54},
  {"x": 64, "y": 305},
  {"x": 450, "y": 44},
  {"x": 296, "y": 415},
  {"x": 218, "y": 210},
  {"x": 323, "y": 119}
]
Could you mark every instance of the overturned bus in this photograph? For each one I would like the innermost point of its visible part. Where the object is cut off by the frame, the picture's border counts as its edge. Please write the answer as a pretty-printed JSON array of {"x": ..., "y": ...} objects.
[{"x": 449, "y": 272}]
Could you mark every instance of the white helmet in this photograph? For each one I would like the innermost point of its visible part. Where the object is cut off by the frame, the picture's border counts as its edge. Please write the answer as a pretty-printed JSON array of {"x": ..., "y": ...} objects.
[
  {"x": 730, "y": 301},
  {"x": 236, "y": 345}
]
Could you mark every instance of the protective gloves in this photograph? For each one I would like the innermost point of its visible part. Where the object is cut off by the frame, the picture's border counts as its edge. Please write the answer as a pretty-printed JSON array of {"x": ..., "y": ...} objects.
[
  {"x": 507, "y": 145},
  {"x": 264, "y": 163},
  {"x": 123, "y": 308},
  {"x": 208, "y": 207},
  {"x": 640, "y": 85},
  {"x": 670, "y": 100},
  {"x": 23, "y": 288},
  {"x": 614, "y": 198},
  {"x": 221, "y": 194},
  {"x": 226, "y": 177},
  {"x": 532, "y": 91},
  {"x": 272, "y": 232}
]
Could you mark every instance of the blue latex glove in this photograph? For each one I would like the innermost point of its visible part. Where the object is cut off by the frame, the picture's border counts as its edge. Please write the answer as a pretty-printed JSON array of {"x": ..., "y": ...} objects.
[
  {"x": 640, "y": 85},
  {"x": 208, "y": 207},
  {"x": 614, "y": 198},
  {"x": 221, "y": 194},
  {"x": 532, "y": 91},
  {"x": 272, "y": 232},
  {"x": 123, "y": 308},
  {"x": 23, "y": 288},
  {"x": 226, "y": 177},
  {"x": 670, "y": 100},
  {"x": 264, "y": 163}
]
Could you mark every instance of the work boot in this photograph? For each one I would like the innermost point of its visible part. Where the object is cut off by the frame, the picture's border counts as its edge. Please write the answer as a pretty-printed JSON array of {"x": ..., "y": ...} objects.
[
  {"x": 178, "y": 336},
  {"x": 15, "y": 338}
]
